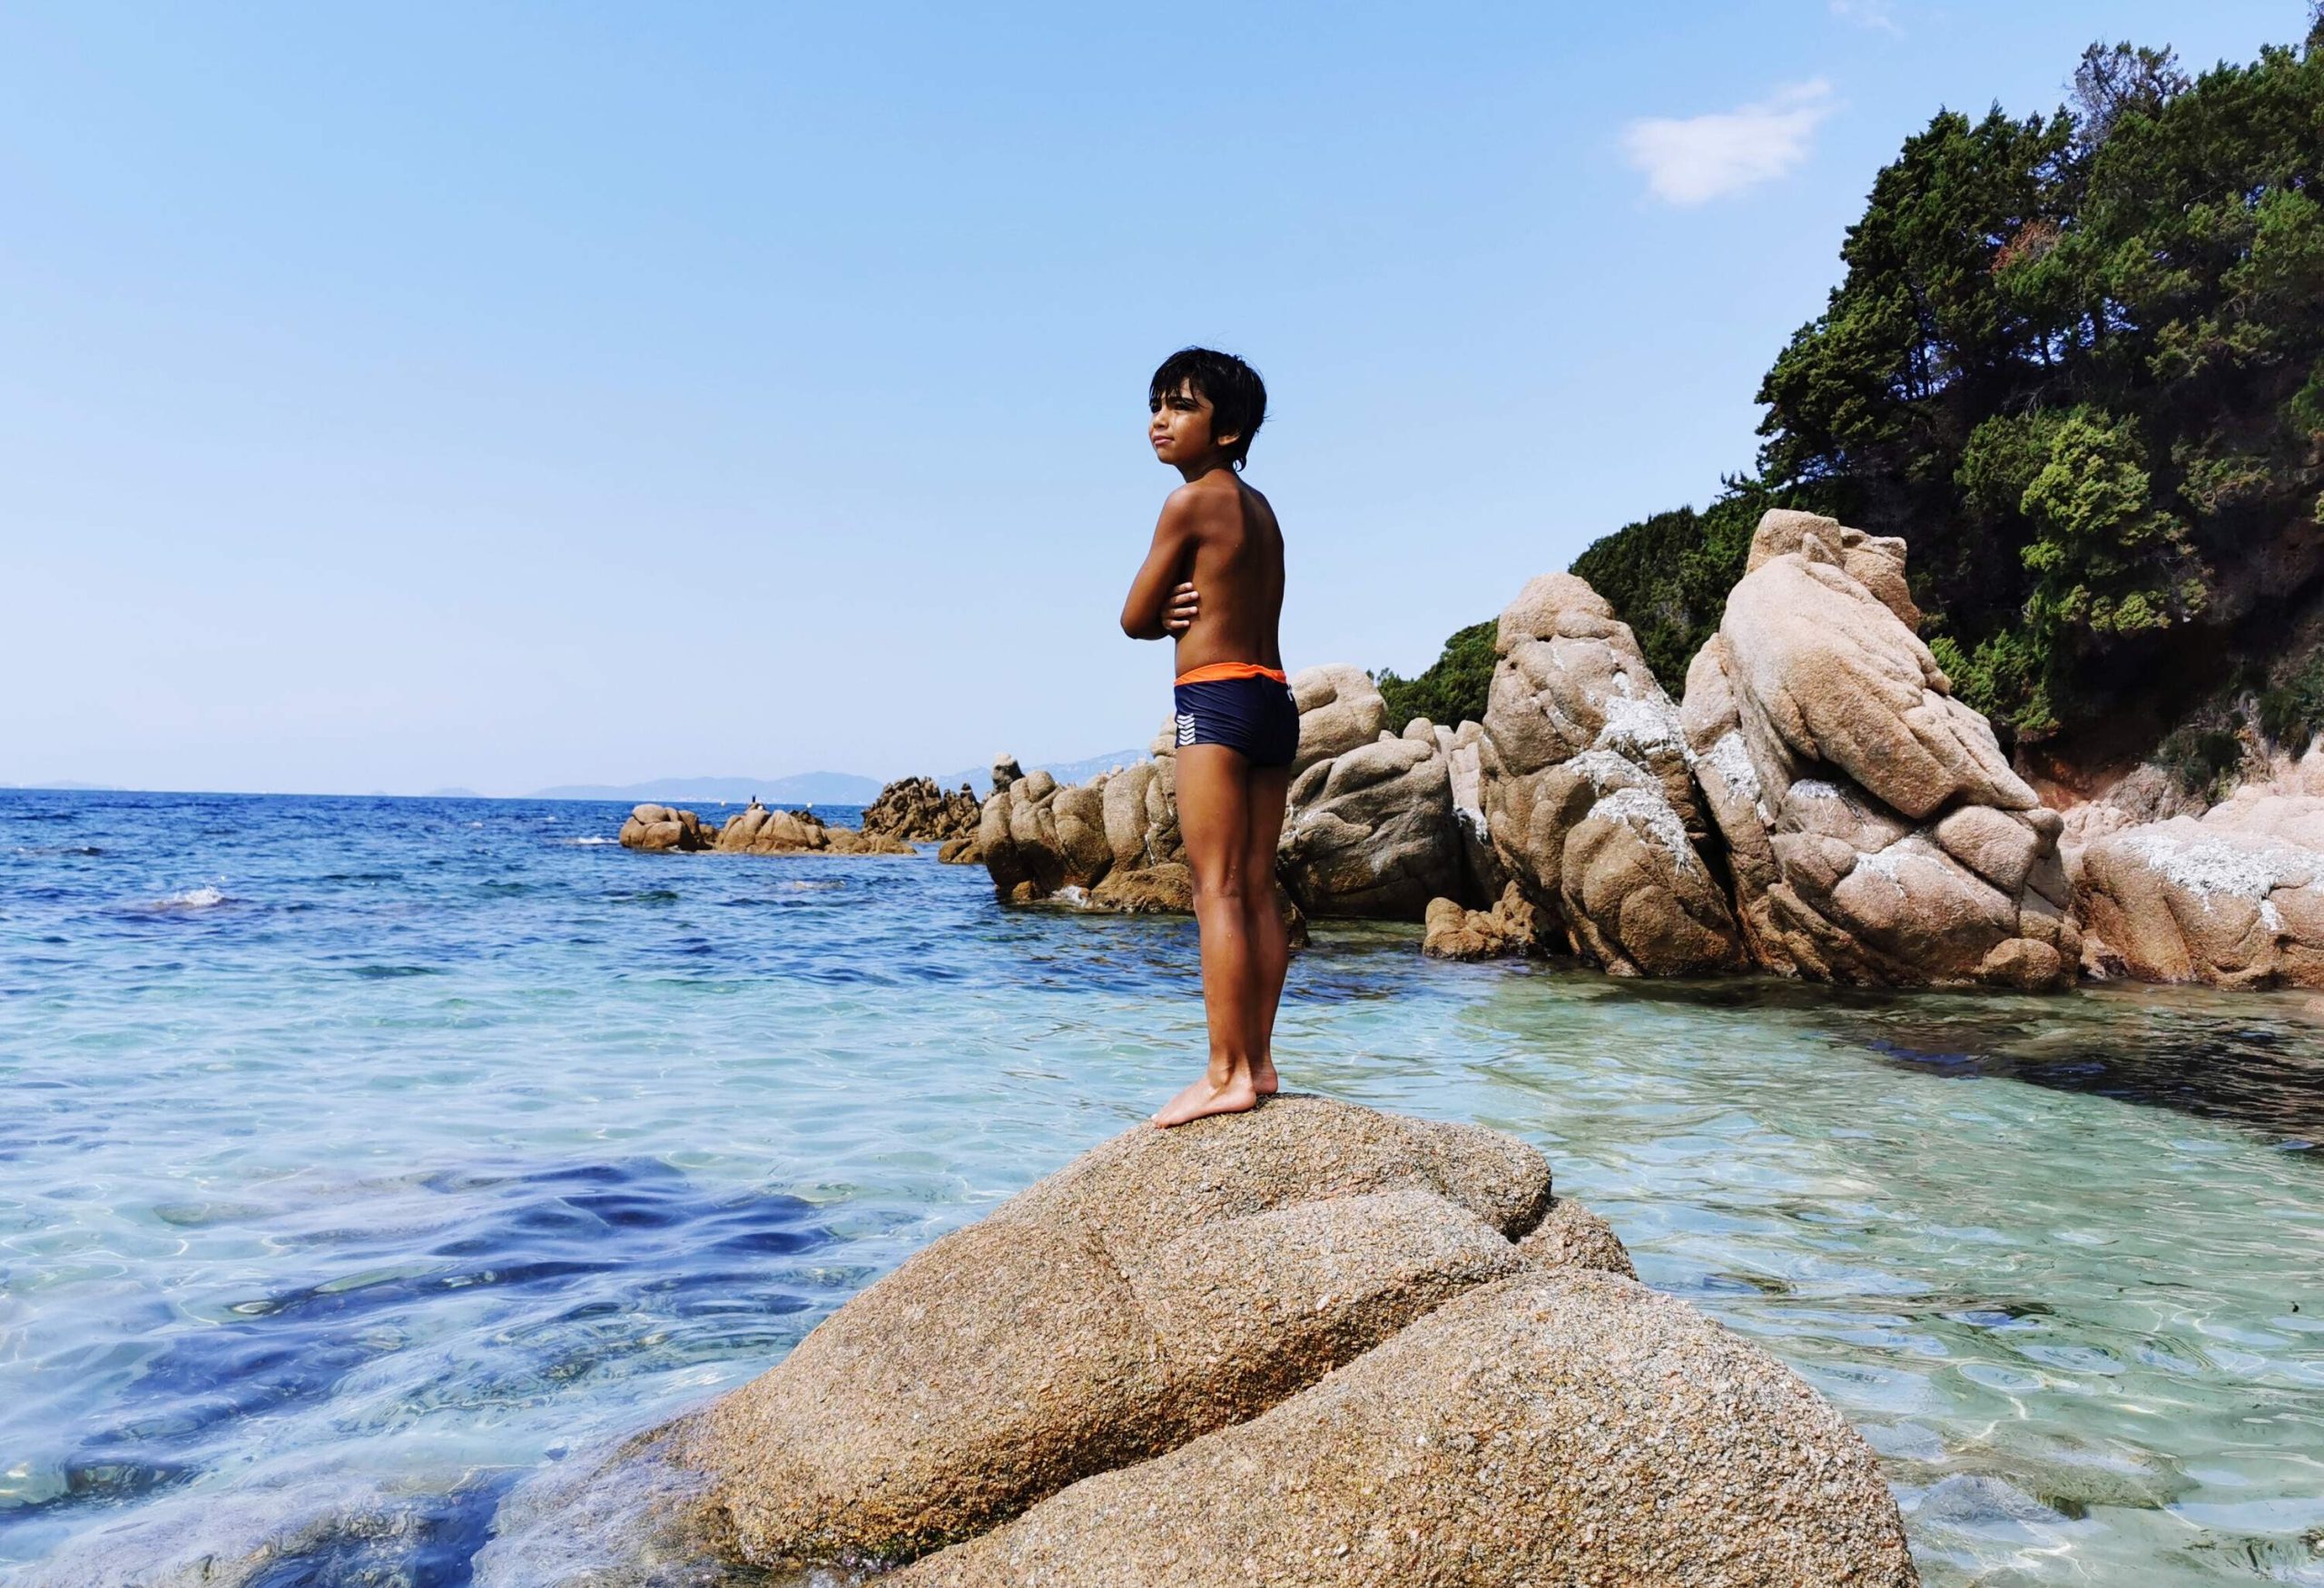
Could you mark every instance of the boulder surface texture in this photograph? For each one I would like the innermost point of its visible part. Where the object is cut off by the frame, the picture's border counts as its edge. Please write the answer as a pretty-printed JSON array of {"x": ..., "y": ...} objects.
[
  {"x": 1556, "y": 1430},
  {"x": 1369, "y": 829},
  {"x": 1165, "y": 1285},
  {"x": 1876, "y": 832},
  {"x": 2235, "y": 898},
  {"x": 1312, "y": 1344},
  {"x": 1586, "y": 792}
]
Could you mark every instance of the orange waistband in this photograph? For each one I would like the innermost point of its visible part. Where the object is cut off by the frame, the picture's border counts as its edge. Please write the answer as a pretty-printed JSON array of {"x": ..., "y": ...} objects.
[{"x": 1214, "y": 672}]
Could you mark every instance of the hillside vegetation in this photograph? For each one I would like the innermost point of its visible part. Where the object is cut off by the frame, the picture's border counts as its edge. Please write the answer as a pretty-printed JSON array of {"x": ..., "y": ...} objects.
[{"x": 2077, "y": 360}]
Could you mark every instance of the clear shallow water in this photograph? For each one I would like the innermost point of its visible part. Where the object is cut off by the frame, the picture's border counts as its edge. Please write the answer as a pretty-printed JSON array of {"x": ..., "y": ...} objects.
[{"x": 357, "y": 1156}]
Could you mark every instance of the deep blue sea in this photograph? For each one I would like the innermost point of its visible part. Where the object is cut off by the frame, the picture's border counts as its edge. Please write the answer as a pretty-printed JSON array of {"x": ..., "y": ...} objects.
[{"x": 359, "y": 1155}]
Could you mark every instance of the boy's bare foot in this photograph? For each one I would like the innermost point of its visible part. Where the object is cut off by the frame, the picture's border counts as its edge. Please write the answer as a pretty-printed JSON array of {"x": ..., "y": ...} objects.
[
  {"x": 1206, "y": 1097},
  {"x": 1262, "y": 1078}
]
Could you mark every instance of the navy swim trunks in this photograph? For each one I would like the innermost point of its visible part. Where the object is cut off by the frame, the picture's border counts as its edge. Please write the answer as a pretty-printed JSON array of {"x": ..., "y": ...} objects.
[{"x": 1241, "y": 706}]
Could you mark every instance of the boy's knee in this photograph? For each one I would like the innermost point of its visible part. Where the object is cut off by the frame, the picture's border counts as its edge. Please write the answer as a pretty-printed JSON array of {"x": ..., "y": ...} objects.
[{"x": 1225, "y": 886}]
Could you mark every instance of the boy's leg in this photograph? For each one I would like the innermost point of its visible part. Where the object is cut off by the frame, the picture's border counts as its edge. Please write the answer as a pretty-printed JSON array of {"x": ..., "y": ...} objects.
[
  {"x": 1270, "y": 942},
  {"x": 1214, "y": 819}
]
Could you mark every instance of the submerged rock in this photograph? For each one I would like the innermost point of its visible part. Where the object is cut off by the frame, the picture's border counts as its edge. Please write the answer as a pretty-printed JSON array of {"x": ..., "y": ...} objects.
[
  {"x": 1586, "y": 792},
  {"x": 1876, "y": 832}
]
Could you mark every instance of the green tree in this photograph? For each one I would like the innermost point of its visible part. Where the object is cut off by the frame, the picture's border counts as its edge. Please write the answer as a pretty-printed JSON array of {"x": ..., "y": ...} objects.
[
  {"x": 1452, "y": 689},
  {"x": 2077, "y": 362},
  {"x": 1667, "y": 575}
]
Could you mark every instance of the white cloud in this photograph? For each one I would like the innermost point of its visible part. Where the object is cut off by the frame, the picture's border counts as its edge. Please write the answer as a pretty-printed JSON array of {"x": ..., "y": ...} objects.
[
  {"x": 1873, "y": 13},
  {"x": 1692, "y": 160}
]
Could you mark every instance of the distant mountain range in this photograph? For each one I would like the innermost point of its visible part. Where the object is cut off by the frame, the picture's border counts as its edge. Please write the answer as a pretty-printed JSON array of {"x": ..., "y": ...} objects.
[
  {"x": 819, "y": 788},
  {"x": 801, "y": 788},
  {"x": 980, "y": 778}
]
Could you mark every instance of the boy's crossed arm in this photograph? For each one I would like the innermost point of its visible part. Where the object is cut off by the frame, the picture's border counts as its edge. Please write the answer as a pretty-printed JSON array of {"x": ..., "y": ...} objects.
[{"x": 1161, "y": 605}]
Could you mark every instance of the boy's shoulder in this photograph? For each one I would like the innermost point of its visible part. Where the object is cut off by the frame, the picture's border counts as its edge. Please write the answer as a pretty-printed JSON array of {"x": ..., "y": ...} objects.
[{"x": 1214, "y": 498}]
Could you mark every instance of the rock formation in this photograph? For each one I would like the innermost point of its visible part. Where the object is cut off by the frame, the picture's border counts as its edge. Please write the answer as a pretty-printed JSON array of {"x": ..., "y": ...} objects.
[
  {"x": 1586, "y": 794},
  {"x": 1369, "y": 829},
  {"x": 755, "y": 831},
  {"x": 1876, "y": 832},
  {"x": 2235, "y": 898},
  {"x": 659, "y": 827},
  {"x": 1340, "y": 708},
  {"x": 1557, "y": 1430},
  {"x": 1169, "y": 1311},
  {"x": 917, "y": 810},
  {"x": 1038, "y": 837},
  {"x": 1456, "y": 933}
]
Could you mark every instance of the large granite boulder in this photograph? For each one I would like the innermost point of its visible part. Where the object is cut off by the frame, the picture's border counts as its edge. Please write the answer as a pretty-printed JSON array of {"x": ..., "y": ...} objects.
[
  {"x": 1586, "y": 793},
  {"x": 2235, "y": 898},
  {"x": 659, "y": 827},
  {"x": 1874, "y": 831},
  {"x": 916, "y": 810},
  {"x": 1312, "y": 1344},
  {"x": 1164, "y": 1284},
  {"x": 759, "y": 830},
  {"x": 1553, "y": 1430},
  {"x": 1370, "y": 830},
  {"x": 1340, "y": 709}
]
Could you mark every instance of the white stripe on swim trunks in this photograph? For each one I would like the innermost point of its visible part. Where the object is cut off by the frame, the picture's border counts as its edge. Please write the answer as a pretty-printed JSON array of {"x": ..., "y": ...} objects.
[{"x": 1186, "y": 727}]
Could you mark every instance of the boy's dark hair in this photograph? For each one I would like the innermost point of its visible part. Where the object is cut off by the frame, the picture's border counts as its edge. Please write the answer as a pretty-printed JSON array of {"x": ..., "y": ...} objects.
[{"x": 1238, "y": 397}]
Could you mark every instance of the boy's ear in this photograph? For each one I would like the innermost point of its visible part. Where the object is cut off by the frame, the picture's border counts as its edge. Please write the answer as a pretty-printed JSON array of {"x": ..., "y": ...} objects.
[{"x": 1223, "y": 442}]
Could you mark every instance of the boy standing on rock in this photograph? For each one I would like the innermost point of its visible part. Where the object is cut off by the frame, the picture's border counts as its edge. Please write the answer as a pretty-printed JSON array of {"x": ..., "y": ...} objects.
[{"x": 1214, "y": 582}]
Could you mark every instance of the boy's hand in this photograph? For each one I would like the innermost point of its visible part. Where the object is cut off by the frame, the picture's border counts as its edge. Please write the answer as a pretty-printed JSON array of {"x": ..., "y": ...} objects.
[{"x": 1186, "y": 606}]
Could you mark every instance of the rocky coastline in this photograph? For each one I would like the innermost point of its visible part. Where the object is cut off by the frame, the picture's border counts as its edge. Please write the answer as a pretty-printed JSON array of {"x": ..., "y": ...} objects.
[{"x": 1818, "y": 804}]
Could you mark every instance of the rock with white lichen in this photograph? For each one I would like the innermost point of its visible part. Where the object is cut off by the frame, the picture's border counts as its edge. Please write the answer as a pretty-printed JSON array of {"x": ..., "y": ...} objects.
[
  {"x": 1586, "y": 793},
  {"x": 2235, "y": 898},
  {"x": 1875, "y": 831}
]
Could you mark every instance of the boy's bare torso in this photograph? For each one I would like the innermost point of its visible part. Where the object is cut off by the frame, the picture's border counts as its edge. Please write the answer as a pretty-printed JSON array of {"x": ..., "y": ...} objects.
[{"x": 1238, "y": 566}]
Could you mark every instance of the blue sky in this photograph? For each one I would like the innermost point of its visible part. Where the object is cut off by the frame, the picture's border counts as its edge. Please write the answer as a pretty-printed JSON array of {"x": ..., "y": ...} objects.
[{"x": 399, "y": 395}]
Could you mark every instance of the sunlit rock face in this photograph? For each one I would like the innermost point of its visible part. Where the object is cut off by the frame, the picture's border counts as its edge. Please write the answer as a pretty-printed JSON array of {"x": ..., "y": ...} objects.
[
  {"x": 1441, "y": 1372},
  {"x": 1587, "y": 798},
  {"x": 2235, "y": 898},
  {"x": 1875, "y": 831}
]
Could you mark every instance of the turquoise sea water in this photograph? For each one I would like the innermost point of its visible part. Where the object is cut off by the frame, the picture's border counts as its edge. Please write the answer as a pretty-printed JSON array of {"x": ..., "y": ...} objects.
[{"x": 359, "y": 1155}]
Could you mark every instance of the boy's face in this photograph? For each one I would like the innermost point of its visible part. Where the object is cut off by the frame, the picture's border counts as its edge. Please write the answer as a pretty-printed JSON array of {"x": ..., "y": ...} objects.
[{"x": 1181, "y": 426}]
